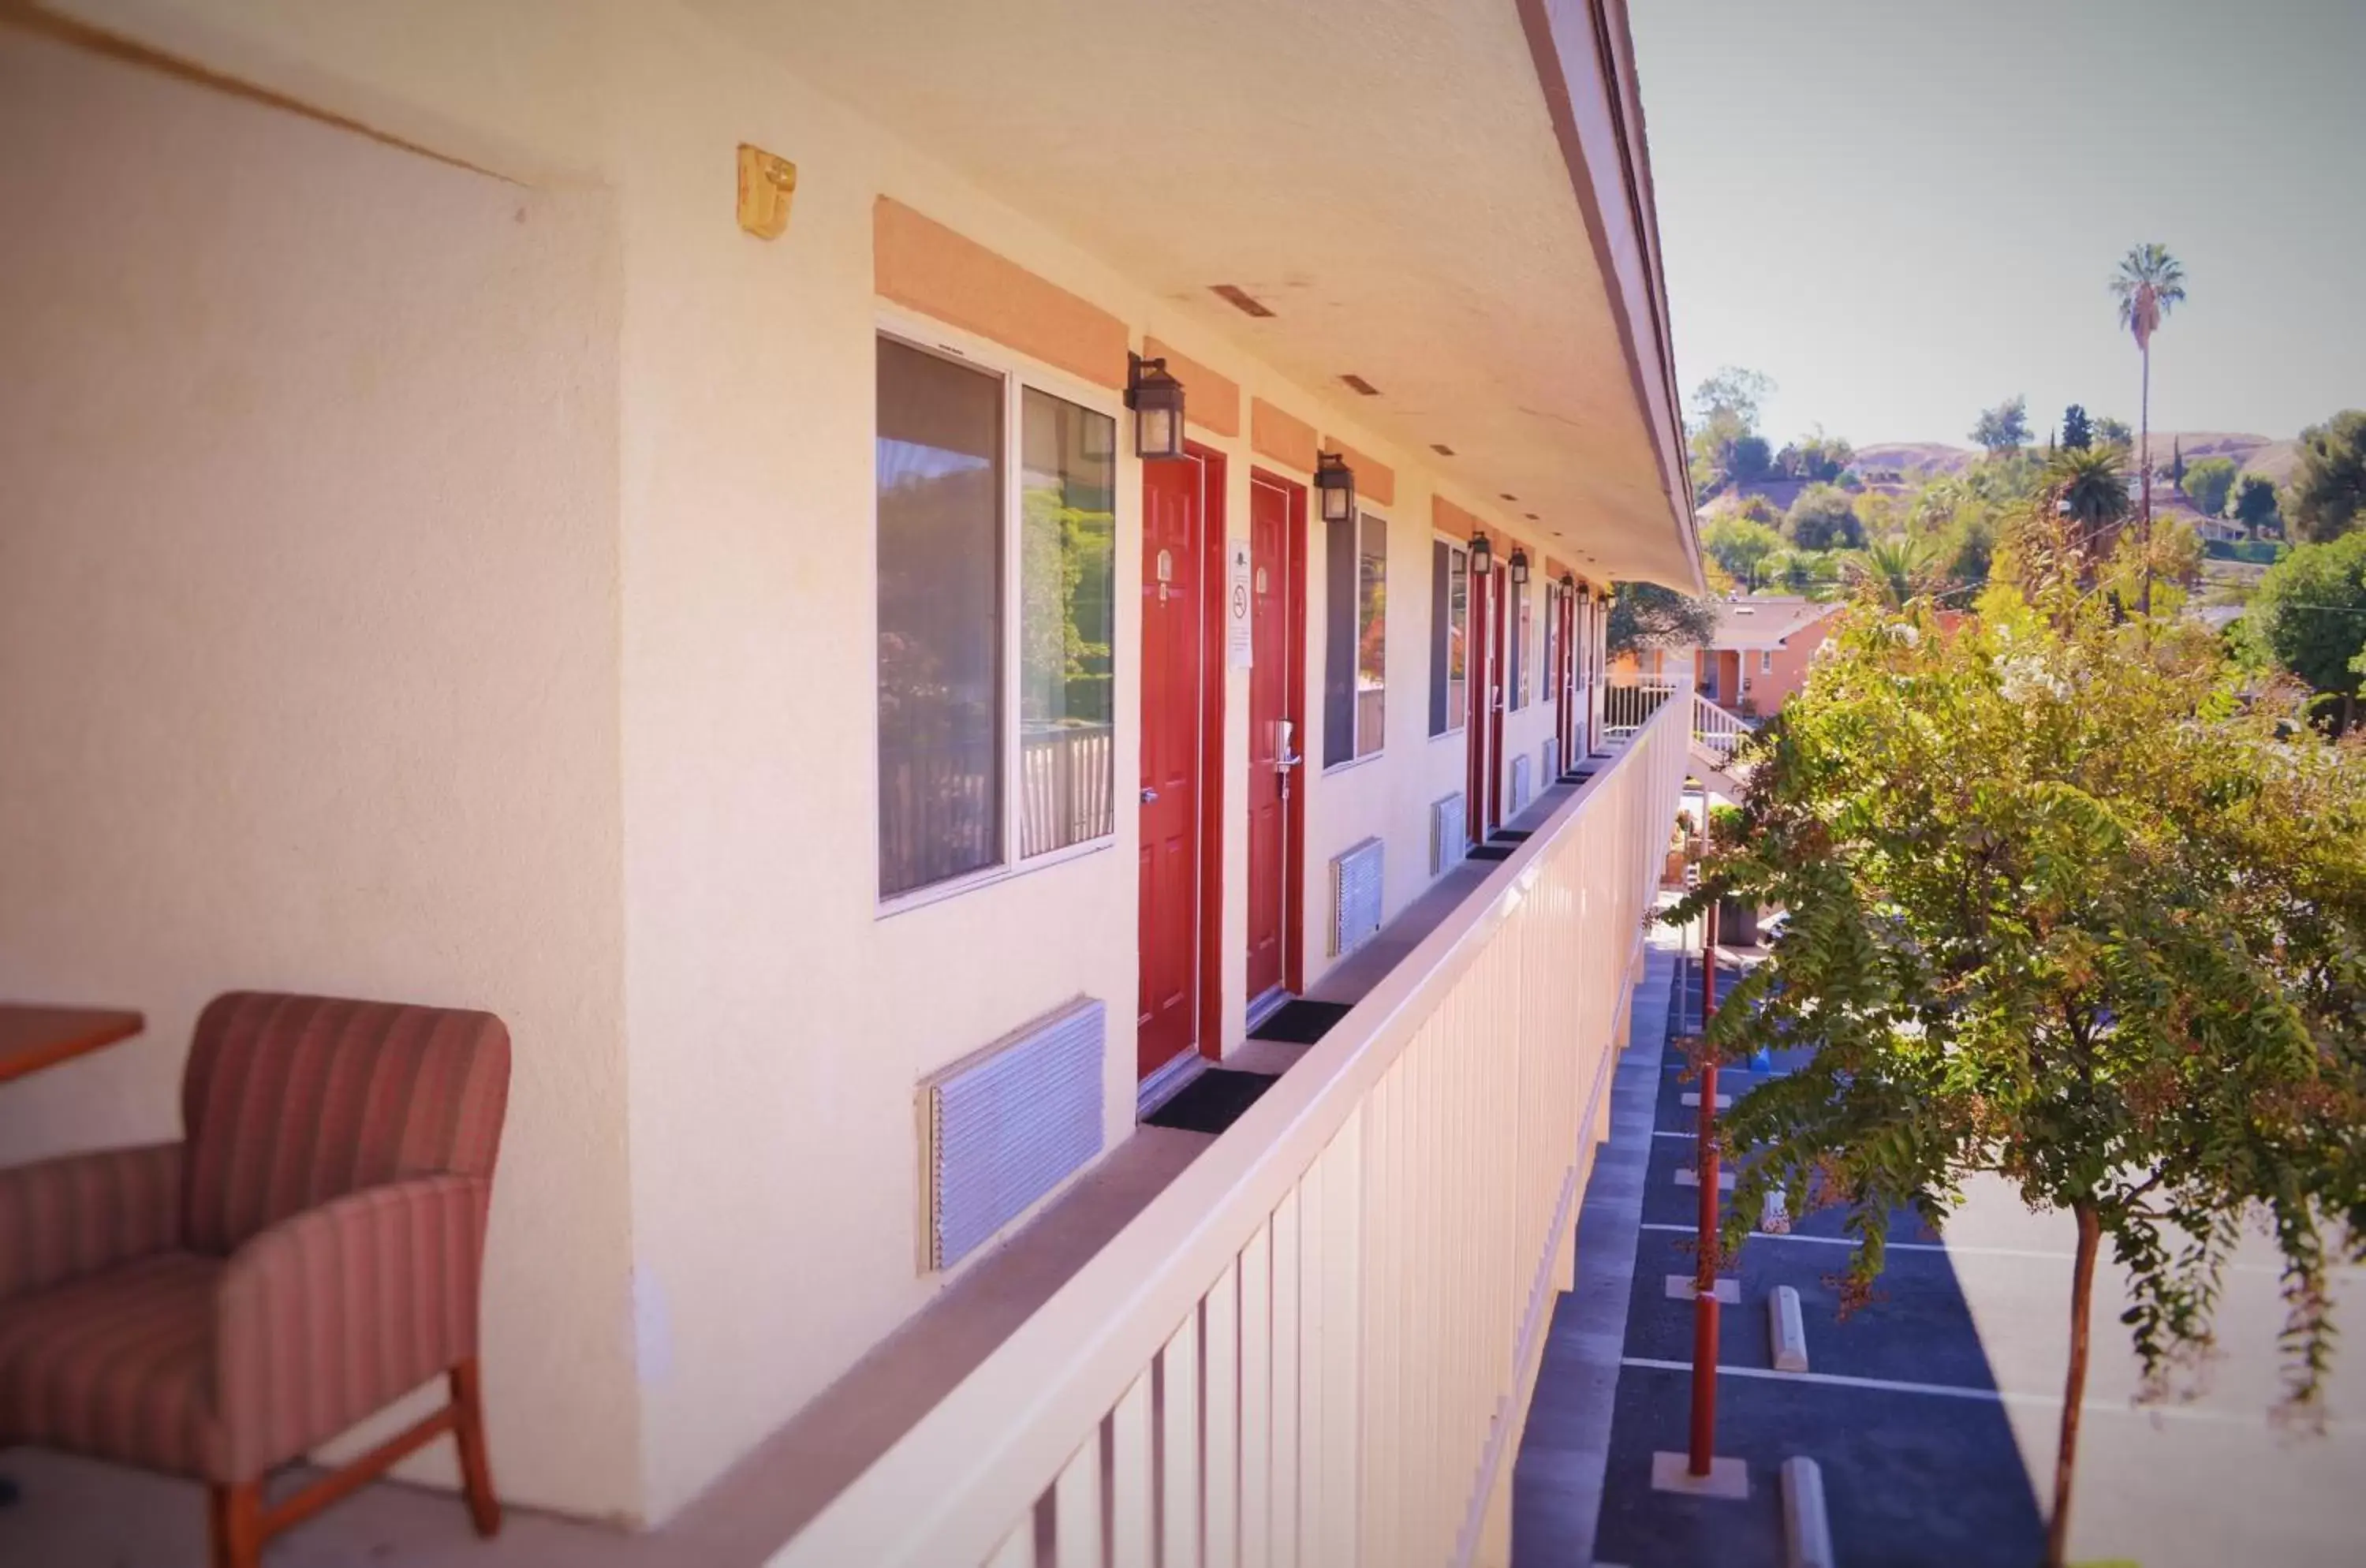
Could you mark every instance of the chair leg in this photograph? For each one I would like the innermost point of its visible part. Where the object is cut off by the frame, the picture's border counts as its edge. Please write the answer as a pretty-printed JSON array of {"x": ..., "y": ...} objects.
[
  {"x": 234, "y": 1523},
  {"x": 476, "y": 1464}
]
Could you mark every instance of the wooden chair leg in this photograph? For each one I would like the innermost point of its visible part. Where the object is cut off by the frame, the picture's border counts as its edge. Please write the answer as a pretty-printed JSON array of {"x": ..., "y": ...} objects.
[
  {"x": 234, "y": 1521},
  {"x": 476, "y": 1464}
]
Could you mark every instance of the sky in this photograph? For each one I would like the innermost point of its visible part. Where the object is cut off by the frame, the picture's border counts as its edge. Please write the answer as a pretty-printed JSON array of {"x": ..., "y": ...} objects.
[{"x": 1905, "y": 211}]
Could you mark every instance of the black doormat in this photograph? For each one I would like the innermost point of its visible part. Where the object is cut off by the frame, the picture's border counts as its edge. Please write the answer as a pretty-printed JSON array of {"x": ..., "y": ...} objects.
[
  {"x": 1213, "y": 1101},
  {"x": 1510, "y": 835},
  {"x": 1299, "y": 1023},
  {"x": 1489, "y": 852}
]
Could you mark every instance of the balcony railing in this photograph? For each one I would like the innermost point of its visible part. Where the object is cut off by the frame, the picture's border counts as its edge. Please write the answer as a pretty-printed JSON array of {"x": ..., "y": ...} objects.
[
  {"x": 1315, "y": 1345},
  {"x": 1625, "y": 705}
]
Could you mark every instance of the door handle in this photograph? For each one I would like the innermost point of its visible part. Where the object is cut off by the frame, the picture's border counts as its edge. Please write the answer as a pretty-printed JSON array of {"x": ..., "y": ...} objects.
[
  {"x": 1287, "y": 761},
  {"x": 1148, "y": 794}
]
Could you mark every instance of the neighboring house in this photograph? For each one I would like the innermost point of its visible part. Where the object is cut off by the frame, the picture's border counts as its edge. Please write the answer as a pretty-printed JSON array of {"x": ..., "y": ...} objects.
[
  {"x": 1763, "y": 649},
  {"x": 454, "y": 556}
]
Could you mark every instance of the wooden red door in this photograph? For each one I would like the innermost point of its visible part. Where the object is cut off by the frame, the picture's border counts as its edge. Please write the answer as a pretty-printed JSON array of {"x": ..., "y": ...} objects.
[
  {"x": 1565, "y": 679},
  {"x": 1485, "y": 686},
  {"x": 1175, "y": 647},
  {"x": 1277, "y": 735}
]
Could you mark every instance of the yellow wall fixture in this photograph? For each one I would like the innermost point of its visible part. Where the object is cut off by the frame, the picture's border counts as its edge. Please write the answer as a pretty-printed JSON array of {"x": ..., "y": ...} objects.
[{"x": 767, "y": 183}]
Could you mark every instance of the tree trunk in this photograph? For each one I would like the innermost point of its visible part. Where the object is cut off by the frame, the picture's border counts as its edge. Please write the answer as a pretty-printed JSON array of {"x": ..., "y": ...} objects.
[
  {"x": 2074, "y": 1385},
  {"x": 2144, "y": 416}
]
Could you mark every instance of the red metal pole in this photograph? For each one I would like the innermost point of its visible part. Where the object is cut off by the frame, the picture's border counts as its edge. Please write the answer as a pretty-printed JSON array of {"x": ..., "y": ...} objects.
[{"x": 1704, "y": 1433}]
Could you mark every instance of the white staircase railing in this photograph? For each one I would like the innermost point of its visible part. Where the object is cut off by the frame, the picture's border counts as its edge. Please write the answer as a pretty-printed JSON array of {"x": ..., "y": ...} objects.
[
  {"x": 1627, "y": 703},
  {"x": 1717, "y": 730}
]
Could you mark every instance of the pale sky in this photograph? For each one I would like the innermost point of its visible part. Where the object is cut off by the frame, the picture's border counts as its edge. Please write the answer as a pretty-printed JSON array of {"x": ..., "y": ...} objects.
[{"x": 1907, "y": 210}]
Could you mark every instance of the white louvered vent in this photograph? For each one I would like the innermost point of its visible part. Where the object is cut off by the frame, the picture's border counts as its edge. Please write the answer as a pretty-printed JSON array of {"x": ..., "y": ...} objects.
[
  {"x": 1519, "y": 786},
  {"x": 1002, "y": 1126},
  {"x": 1356, "y": 897},
  {"x": 1449, "y": 834},
  {"x": 1547, "y": 768}
]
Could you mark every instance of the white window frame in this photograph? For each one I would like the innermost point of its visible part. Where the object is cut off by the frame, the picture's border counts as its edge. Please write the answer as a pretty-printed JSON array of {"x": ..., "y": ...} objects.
[
  {"x": 1017, "y": 372},
  {"x": 1356, "y": 611},
  {"x": 1767, "y": 661},
  {"x": 1456, "y": 721}
]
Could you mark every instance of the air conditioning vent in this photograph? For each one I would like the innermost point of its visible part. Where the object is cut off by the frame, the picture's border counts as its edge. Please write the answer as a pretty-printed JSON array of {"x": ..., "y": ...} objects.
[
  {"x": 1003, "y": 1126},
  {"x": 1549, "y": 763},
  {"x": 1519, "y": 786},
  {"x": 1356, "y": 897},
  {"x": 1449, "y": 834}
]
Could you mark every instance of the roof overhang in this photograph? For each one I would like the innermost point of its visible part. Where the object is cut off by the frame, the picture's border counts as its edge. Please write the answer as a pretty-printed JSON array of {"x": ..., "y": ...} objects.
[{"x": 1449, "y": 199}]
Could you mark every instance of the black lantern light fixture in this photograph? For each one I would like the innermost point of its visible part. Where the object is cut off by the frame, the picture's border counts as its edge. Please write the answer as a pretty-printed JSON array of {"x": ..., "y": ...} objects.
[
  {"x": 1482, "y": 555},
  {"x": 1336, "y": 481},
  {"x": 1157, "y": 399},
  {"x": 1568, "y": 583},
  {"x": 1519, "y": 564}
]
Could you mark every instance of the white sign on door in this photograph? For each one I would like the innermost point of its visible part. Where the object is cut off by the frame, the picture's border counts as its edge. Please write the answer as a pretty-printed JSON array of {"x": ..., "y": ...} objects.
[{"x": 1239, "y": 650}]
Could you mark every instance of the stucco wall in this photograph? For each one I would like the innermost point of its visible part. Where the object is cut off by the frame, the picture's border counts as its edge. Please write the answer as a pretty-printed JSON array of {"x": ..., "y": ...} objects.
[
  {"x": 308, "y": 648},
  {"x": 709, "y": 799}
]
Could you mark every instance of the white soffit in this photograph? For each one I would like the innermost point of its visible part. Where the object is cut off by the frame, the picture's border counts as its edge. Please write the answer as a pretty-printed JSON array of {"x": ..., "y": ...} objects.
[{"x": 1382, "y": 174}]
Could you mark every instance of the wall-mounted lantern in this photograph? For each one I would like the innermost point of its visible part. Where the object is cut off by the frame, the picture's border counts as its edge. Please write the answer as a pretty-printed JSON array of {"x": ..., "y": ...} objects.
[
  {"x": 1568, "y": 583},
  {"x": 1336, "y": 481},
  {"x": 1519, "y": 564},
  {"x": 1157, "y": 399},
  {"x": 1483, "y": 556}
]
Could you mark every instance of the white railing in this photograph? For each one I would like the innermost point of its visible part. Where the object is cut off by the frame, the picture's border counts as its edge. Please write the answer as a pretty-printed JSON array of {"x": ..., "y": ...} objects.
[
  {"x": 1717, "y": 730},
  {"x": 1627, "y": 703},
  {"x": 1316, "y": 1347}
]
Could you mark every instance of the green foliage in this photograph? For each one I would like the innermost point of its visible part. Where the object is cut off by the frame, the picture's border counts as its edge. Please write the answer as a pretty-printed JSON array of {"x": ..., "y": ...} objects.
[
  {"x": 2078, "y": 429},
  {"x": 1725, "y": 413},
  {"x": 2253, "y": 502},
  {"x": 1644, "y": 615},
  {"x": 1814, "y": 573},
  {"x": 2089, "y": 487},
  {"x": 2329, "y": 487},
  {"x": 2208, "y": 483},
  {"x": 1893, "y": 571},
  {"x": 2148, "y": 285},
  {"x": 1751, "y": 458},
  {"x": 1740, "y": 547},
  {"x": 2061, "y": 907},
  {"x": 2310, "y": 613},
  {"x": 2114, "y": 431},
  {"x": 2003, "y": 427},
  {"x": 2259, "y": 552},
  {"x": 1823, "y": 518},
  {"x": 1818, "y": 458}
]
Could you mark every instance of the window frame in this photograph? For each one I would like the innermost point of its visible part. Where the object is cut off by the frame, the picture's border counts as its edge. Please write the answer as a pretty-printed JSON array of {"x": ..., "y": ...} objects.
[
  {"x": 1458, "y": 714},
  {"x": 1365, "y": 518},
  {"x": 1767, "y": 661},
  {"x": 1017, "y": 372}
]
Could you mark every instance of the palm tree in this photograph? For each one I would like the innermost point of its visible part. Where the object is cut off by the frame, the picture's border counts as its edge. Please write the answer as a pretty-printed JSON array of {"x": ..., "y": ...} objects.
[
  {"x": 1895, "y": 570},
  {"x": 2088, "y": 488},
  {"x": 2149, "y": 285}
]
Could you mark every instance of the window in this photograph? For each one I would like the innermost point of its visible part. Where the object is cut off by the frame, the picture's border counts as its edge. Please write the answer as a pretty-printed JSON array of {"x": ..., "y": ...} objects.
[
  {"x": 1520, "y": 660},
  {"x": 954, "y": 791},
  {"x": 1449, "y": 628},
  {"x": 1355, "y": 647},
  {"x": 1767, "y": 661}
]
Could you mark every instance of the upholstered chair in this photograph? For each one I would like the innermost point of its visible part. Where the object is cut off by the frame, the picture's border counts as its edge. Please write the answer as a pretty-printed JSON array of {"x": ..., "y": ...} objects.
[{"x": 307, "y": 1253}]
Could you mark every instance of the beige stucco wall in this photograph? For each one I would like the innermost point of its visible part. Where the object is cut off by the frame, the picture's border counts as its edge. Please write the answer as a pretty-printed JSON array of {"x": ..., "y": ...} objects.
[
  {"x": 671, "y": 662},
  {"x": 308, "y": 648}
]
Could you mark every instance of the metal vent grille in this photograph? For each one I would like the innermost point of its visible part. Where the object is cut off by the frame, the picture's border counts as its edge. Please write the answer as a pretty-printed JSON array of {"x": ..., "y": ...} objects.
[
  {"x": 1002, "y": 1126},
  {"x": 1519, "y": 786},
  {"x": 1356, "y": 897},
  {"x": 1449, "y": 834},
  {"x": 1549, "y": 761}
]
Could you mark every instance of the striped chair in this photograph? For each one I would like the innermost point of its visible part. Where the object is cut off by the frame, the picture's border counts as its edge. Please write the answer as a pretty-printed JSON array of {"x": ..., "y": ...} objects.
[{"x": 216, "y": 1307}]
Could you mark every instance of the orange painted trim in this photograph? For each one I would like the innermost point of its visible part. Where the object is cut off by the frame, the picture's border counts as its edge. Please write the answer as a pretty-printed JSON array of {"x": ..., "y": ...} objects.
[
  {"x": 920, "y": 264},
  {"x": 1210, "y": 401},
  {"x": 1375, "y": 480},
  {"x": 1283, "y": 438}
]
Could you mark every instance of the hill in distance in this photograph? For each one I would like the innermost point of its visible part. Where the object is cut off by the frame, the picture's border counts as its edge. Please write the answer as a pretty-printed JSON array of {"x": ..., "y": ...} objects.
[{"x": 2256, "y": 453}]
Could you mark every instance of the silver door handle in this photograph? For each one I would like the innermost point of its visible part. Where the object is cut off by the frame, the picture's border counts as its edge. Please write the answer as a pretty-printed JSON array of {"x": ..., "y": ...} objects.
[
  {"x": 1282, "y": 764},
  {"x": 1148, "y": 794}
]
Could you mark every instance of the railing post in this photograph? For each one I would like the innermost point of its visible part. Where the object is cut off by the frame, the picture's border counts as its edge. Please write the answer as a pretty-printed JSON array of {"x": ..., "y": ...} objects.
[{"x": 1705, "y": 1325}]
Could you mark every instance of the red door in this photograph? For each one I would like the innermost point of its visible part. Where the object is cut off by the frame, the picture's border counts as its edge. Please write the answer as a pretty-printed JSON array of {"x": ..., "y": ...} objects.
[
  {"x": 1486, "y": 688},
  {"x": 1175, "y": 647},
  {"x": 1565, "y": 678},
  {"x": 1277, "y": 730}
]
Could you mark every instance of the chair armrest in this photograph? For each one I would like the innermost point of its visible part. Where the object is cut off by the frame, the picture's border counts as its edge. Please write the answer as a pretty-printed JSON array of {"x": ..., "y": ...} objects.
[
  {"x": 62, "y": 1218},
  {"x": 335, "y": 1312}
]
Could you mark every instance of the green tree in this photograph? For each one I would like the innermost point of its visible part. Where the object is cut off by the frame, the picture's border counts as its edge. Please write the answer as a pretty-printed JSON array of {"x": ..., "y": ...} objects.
[
  {"x": 1724, "y": 412},
  {"x": 2207, "y": 484},
  {"x": 2310, "y": 613},
  {"x": 1740, "y": 547},
  {"x": 2059, "y": 907},
  {"x": 2114, "y": 431},
  {"x": 2077, "y": 429},
  {"x": 1644, "y": 615},
  {"x": 1823, "y": 518},
  {"x": 1893, "y": 571},
  {"x": 2148, "y": 285},
  {"x": 2253, "y": 503},
  {"x": 2087, "y": 489},
  {"x": 2329, "y": 487},
  {"x": 2004, "y": 427}
]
